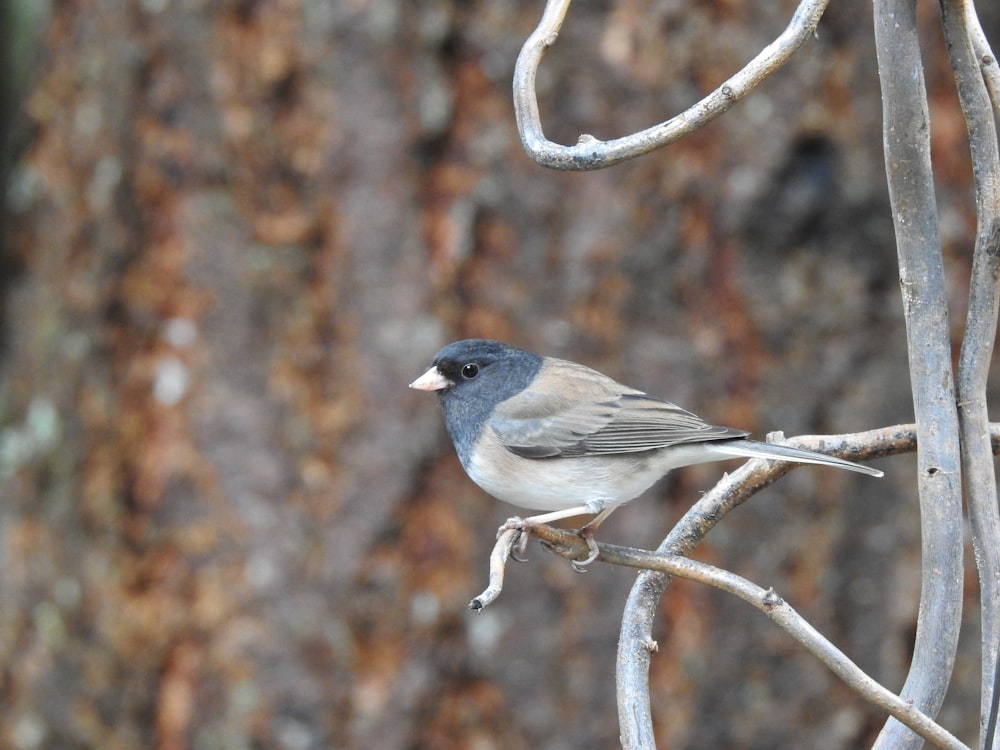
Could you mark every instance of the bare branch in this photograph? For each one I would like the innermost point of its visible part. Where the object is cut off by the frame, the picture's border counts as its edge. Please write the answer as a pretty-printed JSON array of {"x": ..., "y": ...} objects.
[
  {"x": 984, "y": 55},
  {"x": 591, "y": 153},
  {"x": 571, "y": 546},
  {"x": 634, "y": 712},
  {"x": 498, "y": 564},
  {"x": 636, "y": 637},
  {"x": 960, "y": 22},
  {"x": 906, "y": 139}
]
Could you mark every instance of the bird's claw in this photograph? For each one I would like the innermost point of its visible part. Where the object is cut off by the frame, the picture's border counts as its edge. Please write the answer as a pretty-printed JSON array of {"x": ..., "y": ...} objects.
[
  {"x": 580, "y": 566},
  {"x": 519, "y": 549}
]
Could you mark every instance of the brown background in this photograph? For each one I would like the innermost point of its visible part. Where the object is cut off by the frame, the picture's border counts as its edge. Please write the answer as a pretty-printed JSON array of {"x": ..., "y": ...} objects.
[{"x": 237, "y": 230}]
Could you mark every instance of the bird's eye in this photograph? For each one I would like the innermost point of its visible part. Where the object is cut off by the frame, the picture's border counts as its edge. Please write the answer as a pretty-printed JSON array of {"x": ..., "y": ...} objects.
[{"x": 470, "y": 371}]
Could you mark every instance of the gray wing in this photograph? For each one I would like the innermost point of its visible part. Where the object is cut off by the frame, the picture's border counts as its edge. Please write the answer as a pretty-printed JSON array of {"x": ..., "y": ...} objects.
[{"x": 604, "y": 418}]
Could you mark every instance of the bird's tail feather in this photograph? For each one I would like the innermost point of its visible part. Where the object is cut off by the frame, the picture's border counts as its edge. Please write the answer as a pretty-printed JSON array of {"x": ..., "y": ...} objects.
[{"x": 772, "y": 451}]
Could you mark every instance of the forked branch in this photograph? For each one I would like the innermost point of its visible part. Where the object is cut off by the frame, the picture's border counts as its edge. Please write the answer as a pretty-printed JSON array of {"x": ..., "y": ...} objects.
[
  {"x": 571, "y": 546},
  {"x": 634, "y": 710},
  {"x": 670, "y": 560}
]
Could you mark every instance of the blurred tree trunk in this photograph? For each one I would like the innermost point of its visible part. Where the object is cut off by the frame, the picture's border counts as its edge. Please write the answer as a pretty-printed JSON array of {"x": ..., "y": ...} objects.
[
  {"x": 245, "y": 226},
  {"x": 192, "y": 477}
]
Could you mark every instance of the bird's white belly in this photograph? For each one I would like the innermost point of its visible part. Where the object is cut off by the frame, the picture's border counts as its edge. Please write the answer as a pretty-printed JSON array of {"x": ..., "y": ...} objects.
[
  {"x": 560, "y": 483},
  {"x": 550, "y": 484}
]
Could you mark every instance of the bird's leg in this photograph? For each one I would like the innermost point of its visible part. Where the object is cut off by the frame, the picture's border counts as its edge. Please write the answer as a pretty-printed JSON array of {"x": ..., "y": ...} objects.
[{"x": 587, "y": 531}]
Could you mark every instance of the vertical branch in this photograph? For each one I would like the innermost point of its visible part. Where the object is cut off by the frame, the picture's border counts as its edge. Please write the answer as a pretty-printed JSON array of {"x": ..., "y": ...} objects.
[
  {"x": 906, "y": 134},
  {"x": 980, "y": 331},
  {"x": 635, "y": 716}
]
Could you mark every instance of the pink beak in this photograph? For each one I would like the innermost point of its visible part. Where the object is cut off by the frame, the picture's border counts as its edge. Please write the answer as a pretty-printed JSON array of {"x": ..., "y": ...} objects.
[{"x": 432, "y": 380}]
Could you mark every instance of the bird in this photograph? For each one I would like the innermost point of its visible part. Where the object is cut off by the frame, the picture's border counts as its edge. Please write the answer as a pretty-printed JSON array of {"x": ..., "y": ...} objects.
[{"x": 552, "y": 435}]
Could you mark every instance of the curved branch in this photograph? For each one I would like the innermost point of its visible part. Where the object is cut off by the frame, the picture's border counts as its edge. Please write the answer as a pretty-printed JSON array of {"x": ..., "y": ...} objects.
[
  {"x": 632, "y": 674},
  {"x": 636, "y": 643},
  {"x": 591, "y": 153},
  {"x": 570, "y": 545},
  {"x": 502, "y": 550}
]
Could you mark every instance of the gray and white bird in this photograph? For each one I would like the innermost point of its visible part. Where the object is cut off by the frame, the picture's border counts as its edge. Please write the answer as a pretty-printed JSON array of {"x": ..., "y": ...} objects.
[{"x": 552, "y": 435}]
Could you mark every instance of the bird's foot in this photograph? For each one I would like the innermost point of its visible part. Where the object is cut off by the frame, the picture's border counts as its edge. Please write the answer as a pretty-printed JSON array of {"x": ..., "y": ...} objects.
[
  {"x": 518, "y": 552},
  {"x": 580, "y": 566}
]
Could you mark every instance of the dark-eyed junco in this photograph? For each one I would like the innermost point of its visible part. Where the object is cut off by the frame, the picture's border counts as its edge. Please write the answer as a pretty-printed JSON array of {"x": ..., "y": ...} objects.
[{"x": 552, "y": 435}]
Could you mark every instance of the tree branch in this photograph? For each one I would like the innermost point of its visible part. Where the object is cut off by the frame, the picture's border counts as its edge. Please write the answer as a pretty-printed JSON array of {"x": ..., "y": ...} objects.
[
  {"x": 569, "y": 545},
  {"x": 959, "y": 22},
  {"x": 984, "y": 54},
  {"x": 906, "y": 139},
  {"x": 591, "y": 153},
  {"x": 636, "y": 642},
  {"x": 634, "y": 712}
]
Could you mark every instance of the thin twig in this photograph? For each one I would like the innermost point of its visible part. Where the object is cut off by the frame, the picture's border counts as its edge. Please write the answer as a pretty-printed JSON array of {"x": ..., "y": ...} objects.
[
  {"x": 591, "y": 153},
  {"x": 498, "y": 564},
  {"x": 977, "y": 344}
]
